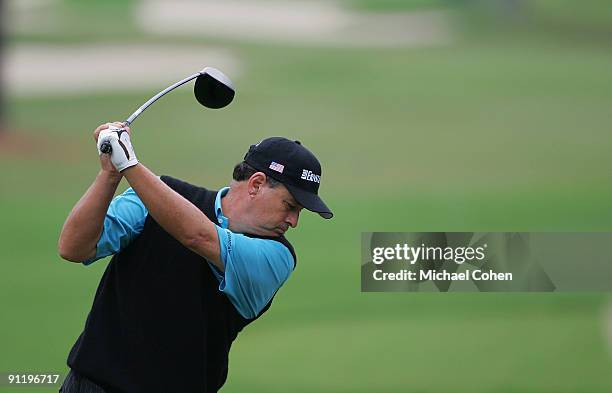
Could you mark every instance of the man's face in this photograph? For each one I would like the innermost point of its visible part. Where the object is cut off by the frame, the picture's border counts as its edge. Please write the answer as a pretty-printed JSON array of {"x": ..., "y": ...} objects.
[{"x": 275, "y": 210}]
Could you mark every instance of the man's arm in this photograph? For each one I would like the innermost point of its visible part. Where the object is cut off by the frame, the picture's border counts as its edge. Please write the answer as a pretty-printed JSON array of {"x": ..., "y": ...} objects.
[
  {"x": 83, "y": 227},
  {"x": 179, "y": 217},
  {"x": 255, "y": 269}
]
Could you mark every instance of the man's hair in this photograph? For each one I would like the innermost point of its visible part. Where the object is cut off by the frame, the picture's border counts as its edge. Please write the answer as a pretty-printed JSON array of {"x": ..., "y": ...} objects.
[{"x": 243, "y": 171}]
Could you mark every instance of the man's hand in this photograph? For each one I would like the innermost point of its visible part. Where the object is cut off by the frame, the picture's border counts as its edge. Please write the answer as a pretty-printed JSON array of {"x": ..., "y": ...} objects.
[
  {"x": 105, "y": 162},
  {"x": 118, "y": 136}
]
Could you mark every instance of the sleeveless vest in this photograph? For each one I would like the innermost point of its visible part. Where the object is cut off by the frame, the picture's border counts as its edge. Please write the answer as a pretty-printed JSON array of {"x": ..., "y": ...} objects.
[{"x": 159, "y": 322}]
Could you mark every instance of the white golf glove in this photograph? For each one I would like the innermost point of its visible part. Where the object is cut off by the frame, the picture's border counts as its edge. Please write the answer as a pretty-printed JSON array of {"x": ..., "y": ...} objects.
[{"x": 122, "y": 155}]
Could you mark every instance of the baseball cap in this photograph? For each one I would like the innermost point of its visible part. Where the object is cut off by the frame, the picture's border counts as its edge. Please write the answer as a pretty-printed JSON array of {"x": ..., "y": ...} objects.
[{"x": 293, "y": 165}]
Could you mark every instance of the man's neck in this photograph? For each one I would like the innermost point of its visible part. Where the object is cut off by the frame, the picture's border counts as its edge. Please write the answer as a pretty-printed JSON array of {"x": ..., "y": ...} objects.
[{"x": 233, "y": 208}]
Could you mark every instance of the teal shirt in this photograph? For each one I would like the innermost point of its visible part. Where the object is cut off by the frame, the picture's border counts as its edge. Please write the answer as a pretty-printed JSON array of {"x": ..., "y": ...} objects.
[{"x": 254, "y": 268}]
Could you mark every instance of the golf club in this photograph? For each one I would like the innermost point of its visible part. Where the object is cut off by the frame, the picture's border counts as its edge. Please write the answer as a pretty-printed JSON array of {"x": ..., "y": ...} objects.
[{"x": 213, "y": 89}]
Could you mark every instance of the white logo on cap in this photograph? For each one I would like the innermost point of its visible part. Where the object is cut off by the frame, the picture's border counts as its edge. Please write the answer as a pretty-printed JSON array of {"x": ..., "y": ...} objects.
[
  {"x": 308, "y": 175},
  {"x": 275, "y": 166}
]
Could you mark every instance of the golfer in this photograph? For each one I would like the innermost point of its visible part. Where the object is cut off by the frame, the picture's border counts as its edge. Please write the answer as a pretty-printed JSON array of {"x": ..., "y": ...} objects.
[{"x": 191, "y": 267}]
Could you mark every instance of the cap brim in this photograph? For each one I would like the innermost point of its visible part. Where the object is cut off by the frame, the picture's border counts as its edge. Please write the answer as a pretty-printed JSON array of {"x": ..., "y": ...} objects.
[{"x": 310, "y": 201}]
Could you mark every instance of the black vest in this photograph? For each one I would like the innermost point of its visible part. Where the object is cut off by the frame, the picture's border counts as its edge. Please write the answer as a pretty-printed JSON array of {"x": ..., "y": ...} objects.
[{"x": 159, "y": 322}]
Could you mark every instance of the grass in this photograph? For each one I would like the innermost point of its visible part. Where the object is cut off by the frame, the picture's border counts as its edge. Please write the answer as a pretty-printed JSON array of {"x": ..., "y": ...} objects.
[
  {"x": 473, "y": 137},
  {"x": 398, "y": 5}
]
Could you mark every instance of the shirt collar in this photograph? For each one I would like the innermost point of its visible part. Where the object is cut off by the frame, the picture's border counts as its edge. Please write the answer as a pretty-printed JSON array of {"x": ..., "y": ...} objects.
[{"x": 221, "y": 219}]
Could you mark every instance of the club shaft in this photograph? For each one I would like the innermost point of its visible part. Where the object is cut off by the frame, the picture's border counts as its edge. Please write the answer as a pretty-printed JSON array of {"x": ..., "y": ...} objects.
[{"x": 157, "y": 96}]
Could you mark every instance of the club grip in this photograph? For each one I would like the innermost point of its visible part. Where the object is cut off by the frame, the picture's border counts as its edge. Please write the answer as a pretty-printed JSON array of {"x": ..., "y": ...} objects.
[{"x": 106, "y": 148}]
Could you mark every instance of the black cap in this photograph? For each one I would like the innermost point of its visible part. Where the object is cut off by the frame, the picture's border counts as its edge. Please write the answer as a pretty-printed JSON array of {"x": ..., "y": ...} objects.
[{"x": 293, "y": 165}]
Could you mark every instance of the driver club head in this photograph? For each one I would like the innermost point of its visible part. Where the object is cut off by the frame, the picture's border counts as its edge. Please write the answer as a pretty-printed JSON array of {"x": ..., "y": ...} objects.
[{"x": 213, "y": 89}]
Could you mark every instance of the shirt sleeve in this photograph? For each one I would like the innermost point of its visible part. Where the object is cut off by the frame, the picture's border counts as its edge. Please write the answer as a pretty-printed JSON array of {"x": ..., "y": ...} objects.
[
  {"x": 124, "y": 221},
  {"x": 254, "y": 270}
]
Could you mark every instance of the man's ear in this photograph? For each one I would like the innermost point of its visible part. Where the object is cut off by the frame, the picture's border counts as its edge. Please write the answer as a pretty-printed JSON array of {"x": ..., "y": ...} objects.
[{"x": 256, "y": 182}]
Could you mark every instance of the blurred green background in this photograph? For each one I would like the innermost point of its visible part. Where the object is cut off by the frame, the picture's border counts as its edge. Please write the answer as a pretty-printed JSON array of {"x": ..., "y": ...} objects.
[{"x": 496, "y": 117}]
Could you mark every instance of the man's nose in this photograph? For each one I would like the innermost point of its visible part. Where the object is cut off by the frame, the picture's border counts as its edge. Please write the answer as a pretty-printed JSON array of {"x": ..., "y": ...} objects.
[{"x": 292, "y": 219}]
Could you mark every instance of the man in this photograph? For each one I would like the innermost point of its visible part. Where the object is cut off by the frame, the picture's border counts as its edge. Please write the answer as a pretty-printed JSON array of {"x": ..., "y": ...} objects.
[{"x": 192, "y": 267}]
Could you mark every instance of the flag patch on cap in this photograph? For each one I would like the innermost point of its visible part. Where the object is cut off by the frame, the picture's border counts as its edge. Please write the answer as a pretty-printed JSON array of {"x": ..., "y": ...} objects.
[{"x": 275, "y": 166}]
